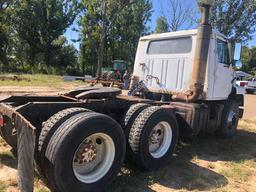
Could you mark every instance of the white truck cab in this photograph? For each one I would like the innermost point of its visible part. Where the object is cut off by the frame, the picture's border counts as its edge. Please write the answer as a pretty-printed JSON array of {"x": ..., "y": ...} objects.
[{"x": 165, "y": 63}]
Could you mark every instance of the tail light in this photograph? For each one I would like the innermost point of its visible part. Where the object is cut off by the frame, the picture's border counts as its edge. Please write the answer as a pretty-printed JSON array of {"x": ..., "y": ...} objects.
[
  {"x": 243, "y": 84},
  {"x": 1, "y": 121}
]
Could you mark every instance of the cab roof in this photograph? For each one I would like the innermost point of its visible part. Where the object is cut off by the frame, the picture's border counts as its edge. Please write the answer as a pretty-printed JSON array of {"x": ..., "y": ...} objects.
[{"x": 177, "y": 34}]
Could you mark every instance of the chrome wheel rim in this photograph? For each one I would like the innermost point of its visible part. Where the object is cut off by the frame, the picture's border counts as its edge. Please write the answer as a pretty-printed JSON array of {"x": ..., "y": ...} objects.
[
  {"x": 93, "y": 158},
  {"x": 160, "y": 139}
]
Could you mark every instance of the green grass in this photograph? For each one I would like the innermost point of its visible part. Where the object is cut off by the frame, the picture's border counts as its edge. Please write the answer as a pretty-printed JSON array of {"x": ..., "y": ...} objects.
[
  {"x": 237, "y": 171},
  {"x": 2, "y": 142},
  {"x": 39, "y": 186},
  {"x": 43, "y": 190},
  {"x": 7, "y": 154},
  {"x": 33, "y": 80}
]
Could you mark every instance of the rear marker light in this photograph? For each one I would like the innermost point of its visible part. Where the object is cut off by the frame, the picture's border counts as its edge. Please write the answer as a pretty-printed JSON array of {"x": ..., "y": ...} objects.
[{"x": 243, "y": 84}]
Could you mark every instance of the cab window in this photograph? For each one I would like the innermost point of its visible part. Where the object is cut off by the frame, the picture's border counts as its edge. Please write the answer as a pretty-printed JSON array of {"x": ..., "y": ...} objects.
[
  {"x": 170, "y": 46},
  {"x": 223, "y": 52}
]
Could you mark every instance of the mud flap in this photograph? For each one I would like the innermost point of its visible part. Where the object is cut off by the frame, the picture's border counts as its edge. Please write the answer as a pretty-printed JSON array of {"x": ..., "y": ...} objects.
[{"x": 26, "y": 148}]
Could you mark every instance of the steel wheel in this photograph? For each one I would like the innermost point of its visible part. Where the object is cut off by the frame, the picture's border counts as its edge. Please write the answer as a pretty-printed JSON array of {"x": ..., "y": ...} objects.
[
  {"x": 160, "y": 139},
  {"x": 93, "y": 158},
  {"x": 85, "y": 153},
  {"x": 153, "y": 138},
  {"x": 232, "y": 119},
  {"x": 229, "y": 120}
]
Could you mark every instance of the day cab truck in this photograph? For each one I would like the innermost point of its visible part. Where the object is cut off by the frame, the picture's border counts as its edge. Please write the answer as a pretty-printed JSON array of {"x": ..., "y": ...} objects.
[{"x": 183, "y": 85}]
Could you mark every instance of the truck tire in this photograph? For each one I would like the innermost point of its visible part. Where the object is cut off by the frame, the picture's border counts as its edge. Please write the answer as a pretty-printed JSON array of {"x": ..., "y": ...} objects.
[
  {"x": 153, "y": 138},
  {"x": 9, "y": 134},
  {"x": 229, "y": 120},
  {"x": 49, "y": 128},
  {"x": 131, "y": 115},
  {"x": 85, "y": 153},
  {"x": 250, "y": 91},
  {"x": 127, "y": 122}
]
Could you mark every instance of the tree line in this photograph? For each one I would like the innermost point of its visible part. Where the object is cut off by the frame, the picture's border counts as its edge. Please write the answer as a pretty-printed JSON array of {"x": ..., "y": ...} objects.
[{"x": 32, "y": 32}]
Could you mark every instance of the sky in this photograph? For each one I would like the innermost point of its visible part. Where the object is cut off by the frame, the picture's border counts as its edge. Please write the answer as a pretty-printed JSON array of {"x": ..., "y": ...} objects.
[{"x": 159, "y": 8}]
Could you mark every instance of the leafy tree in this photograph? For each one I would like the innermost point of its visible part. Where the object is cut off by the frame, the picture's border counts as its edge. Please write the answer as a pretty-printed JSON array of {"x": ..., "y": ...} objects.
[
  {"x": 18, "y": 54},
  {"x": 88, "y": 53},
  {"x": 99, "y": 18},
  {"x": 249, "y": 60},
  {"x": 236, "y": 19},
  {"x": 90, "y": 32},
  {"x": 3, "y": 45},
  {"x": 41, "y": 22},
  {"x": 127, "y": 29},
  {"x": 5, "y": 29},
  {"x": 162, "y": 25},
  {"x": 106, "y": 23}
]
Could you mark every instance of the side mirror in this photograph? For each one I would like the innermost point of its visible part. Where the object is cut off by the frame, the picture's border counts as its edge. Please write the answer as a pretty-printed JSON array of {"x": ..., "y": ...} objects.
[
  {"x": 237, "y": 55},
  {"x": 237, "y": 51},
  {"x": 238, "y": 64}
]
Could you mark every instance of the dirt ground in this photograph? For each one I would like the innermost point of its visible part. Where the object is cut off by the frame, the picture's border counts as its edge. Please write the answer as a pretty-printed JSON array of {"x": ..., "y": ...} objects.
[
  {"x": 250, "y": 107},
  {"x": 205, "y": 164}
]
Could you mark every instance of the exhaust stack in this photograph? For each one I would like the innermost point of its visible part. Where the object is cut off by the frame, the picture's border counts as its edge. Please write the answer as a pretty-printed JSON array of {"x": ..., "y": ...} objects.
[{"x": 196, "y": 89}]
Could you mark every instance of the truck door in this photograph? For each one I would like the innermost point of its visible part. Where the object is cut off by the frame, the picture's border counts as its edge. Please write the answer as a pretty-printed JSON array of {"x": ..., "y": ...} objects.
[{"x": 223, "y": 74}]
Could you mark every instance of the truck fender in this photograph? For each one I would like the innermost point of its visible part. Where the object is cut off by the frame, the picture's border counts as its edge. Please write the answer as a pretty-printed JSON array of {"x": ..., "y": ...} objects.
[
  {"x": 237, "y": 94},
  {"x": 238, "y": 90}
]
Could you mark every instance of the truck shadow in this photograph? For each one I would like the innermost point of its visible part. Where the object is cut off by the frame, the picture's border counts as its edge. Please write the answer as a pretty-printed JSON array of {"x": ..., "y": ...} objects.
[
  {"x": 8, "y": 160},
  {"x": 192, "y": 167}
]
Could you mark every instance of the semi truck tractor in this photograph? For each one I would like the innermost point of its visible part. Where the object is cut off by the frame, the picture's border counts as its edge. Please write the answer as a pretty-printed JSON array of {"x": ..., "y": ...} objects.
[{"x": 183, "y": 85}]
